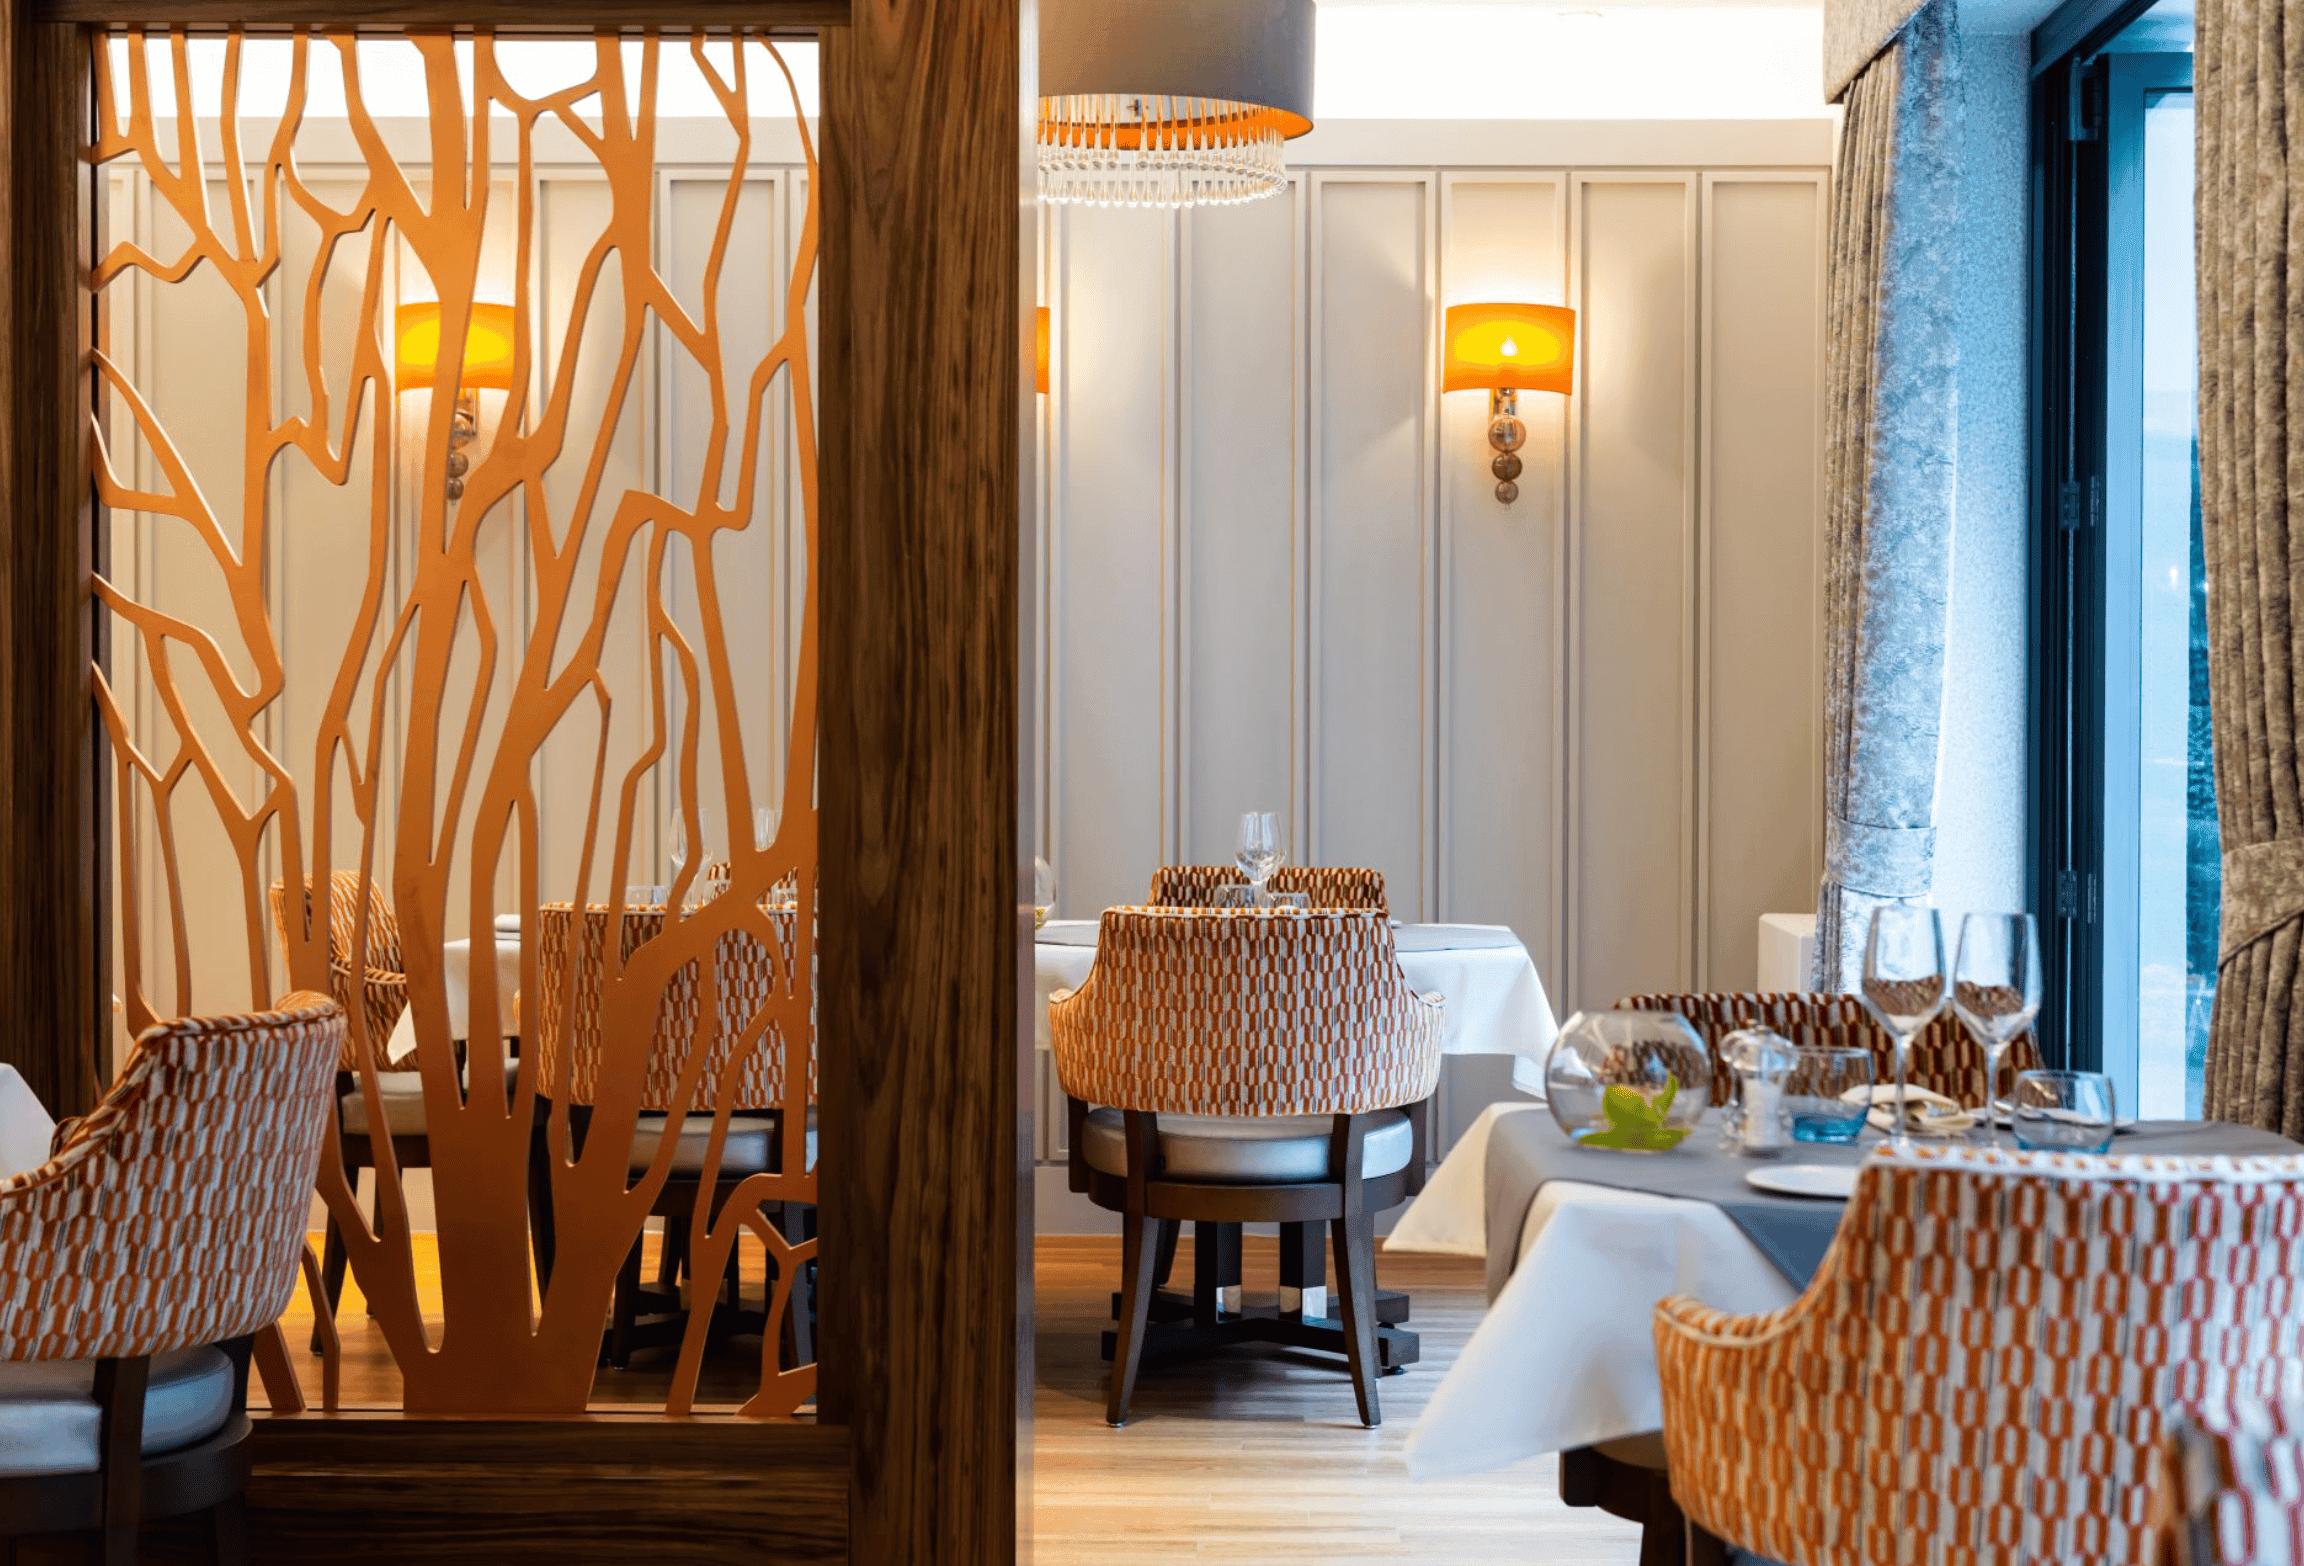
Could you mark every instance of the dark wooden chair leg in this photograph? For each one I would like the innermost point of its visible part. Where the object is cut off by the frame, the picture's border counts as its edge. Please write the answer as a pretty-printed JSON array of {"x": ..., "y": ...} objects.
[
  {"x": 625, "y": 1310},
  {"x": 1706, "y": 1549},
  {"x": 1355, "y": 1236},
  {"x": 120, "y": 1385},
  {"x": 333, "y": 1260},
  {"x": 673, "y": 1253},
  {"x": 1138, "y": 1241},
  {"x": 1303, "y": 1270},
  {"x": 1164, "y": 1263},
  {"x": 228, "y": 1528}
]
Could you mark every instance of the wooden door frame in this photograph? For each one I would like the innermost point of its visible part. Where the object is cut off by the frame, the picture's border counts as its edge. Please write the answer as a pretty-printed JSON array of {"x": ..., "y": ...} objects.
[{"x": 925, "y": 988}]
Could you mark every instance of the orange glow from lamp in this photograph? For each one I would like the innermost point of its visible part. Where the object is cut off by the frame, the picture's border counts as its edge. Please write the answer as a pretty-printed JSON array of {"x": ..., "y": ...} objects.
[
  {"x": 1042, "y": 377},
  {"x": 489, "y": 330},
  {"x": 1506, "y": 349}
]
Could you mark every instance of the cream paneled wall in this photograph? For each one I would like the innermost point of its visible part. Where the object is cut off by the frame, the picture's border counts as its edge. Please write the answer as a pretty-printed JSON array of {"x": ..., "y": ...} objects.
[
  {"x": 1277, "y": 576},
  {"x": 186, "y": 345}
]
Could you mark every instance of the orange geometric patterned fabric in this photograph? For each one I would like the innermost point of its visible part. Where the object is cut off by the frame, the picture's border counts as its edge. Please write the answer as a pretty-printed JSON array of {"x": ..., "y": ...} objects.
[
  {"x": 377, "y": 988},
  {"x": 1945, "y": 1058},
  {"x": 570, "y": 967},
  {"x": 1980, "y": 1370},
  {"x": 1208, "y": 1011},
  {"x": 1327, "y": 886},
  {"x": 173, "y": 1214},
  {"x": 2230, "y": 1486}
]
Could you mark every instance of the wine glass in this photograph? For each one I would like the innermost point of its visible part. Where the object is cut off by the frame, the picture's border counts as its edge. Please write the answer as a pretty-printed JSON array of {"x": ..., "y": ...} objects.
[
  {"x": 1259, "y": 851},
  {"x": 1043, "y": 891},
  {"x": 763, "y": 826},
  {"x": 1904, "y": 984},
  {"x": 679, "y": 844},
  {"x": 1996, "y": 987}
]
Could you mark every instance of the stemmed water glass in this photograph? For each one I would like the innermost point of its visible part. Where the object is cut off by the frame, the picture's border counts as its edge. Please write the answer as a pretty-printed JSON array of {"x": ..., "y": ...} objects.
[
  {"x": 763, "y": 827},
  {"x": 1904, "y": 984},
  {"x": 679, "y": 853},
  {"x": 1259, "y": 852},
  {"x": 1996, "y": 987}
]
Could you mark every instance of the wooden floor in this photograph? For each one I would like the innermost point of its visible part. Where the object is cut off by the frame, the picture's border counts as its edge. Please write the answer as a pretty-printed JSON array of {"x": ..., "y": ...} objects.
[
  {"x": 1256, "y": 1455},
  {"x": 1251, "y": 1455}
]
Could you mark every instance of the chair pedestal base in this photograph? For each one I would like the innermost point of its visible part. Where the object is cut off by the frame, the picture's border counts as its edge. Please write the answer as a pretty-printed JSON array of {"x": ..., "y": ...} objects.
[{"x": 1174, "y": 1328}]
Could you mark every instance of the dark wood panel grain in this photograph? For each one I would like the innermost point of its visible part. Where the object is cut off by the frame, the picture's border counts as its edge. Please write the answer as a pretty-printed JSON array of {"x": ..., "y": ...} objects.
[
  {"x": 574, "y": 20},
  {"x": 50, "y": 979},
  {"x": 378, "y": 1490},
  {"x": 923, "y": 1145}
]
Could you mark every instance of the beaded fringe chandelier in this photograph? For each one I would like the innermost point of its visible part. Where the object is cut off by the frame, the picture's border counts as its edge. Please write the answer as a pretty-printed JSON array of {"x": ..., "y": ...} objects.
[{"x": 1171, "y": 103}]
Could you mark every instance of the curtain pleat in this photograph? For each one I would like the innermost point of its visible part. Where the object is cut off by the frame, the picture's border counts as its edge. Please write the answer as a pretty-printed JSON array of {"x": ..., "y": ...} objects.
[
  {"x": 1891, "y": 389},
  {"x": 2248, "y": 73}
]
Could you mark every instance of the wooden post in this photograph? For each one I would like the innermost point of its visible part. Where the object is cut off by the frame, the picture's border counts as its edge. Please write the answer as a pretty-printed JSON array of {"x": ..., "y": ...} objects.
[
  {"x": 926, "y": 1250},
  {"x": 51, "y": 908}
]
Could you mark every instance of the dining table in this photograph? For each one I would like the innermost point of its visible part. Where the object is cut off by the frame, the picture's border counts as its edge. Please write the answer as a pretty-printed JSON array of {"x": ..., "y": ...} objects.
[
  {"x": 456, "y": 984},
  {"x": 1493, "y": 1000},
  {"x": 1580, "y": 1243}
]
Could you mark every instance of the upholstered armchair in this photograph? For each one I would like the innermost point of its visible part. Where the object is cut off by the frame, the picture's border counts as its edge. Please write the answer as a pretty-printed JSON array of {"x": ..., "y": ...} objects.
[
  {"x": 1945, "y": 1059},
  {"x": 2229, "y": 1490},
  {"x": 141, "y": 1259},
  {"x": 1233, "y": 1066},
  {"x": 1325, "y": 886},
  {"x": 1981, "y": 1369},
  {"x": 573, "y": 1058},
  {"x": 374, "y": 983}
]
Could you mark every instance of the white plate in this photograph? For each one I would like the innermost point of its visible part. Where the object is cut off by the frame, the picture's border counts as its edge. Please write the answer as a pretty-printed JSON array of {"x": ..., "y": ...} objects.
[
  {"x": 2001, "y": 1117},
  {"x": 1835, "y": 1181}
]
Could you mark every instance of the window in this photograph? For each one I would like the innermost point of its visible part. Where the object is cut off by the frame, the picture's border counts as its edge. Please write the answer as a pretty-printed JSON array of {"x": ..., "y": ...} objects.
[{"x": 2125, "y": 835}]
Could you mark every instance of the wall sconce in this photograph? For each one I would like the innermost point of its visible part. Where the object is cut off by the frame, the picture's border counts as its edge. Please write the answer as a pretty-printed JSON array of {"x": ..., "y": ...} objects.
[
  {"x": 1506, "y": 349},
  {"x": 487, "y": 366},
  {"x": 1042, "y": 317}
]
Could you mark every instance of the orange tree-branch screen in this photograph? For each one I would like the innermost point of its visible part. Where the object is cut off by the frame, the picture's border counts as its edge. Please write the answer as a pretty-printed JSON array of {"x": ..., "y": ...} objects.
[{"x": 457, "y": 455}]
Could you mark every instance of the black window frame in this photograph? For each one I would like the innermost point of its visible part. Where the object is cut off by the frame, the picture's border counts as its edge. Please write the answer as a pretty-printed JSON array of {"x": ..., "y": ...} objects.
[{"x": 2071, "y": 205}]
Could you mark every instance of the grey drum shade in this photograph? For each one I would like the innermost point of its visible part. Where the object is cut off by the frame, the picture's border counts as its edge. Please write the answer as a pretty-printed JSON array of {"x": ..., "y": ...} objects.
[
  {"x": 1243, "y": 51},
  {"x": 1171, "y": 102}
]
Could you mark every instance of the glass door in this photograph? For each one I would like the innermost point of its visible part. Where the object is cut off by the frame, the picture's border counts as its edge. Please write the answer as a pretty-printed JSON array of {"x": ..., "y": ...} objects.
[{"x": 2160, "y": 853}]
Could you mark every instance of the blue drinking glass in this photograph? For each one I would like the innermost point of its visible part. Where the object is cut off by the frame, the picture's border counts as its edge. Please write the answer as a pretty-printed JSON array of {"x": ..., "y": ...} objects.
[{"x": 1817, "y": 1094}]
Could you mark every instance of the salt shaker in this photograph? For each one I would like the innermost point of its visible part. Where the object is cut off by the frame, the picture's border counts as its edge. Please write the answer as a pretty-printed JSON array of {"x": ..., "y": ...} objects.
[{"x": 1762, "y": 1060}]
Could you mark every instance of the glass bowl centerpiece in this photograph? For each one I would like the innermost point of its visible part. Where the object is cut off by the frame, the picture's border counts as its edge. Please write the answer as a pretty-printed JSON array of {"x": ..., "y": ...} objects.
[{"x": 1634, "y": 1081}]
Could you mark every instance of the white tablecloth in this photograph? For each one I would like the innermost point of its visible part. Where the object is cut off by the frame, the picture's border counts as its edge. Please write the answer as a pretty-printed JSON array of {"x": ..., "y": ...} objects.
[
  {"x": 456, "y": 976},
  {"x": 1496, "y": 1003},
  {"x": 25, "y": 1128},
  {"x": 1564, "y": 1356}
]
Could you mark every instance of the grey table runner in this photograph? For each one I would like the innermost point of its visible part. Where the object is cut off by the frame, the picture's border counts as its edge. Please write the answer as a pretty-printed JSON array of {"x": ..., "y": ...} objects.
[{"x": 1793, "y": 1232}]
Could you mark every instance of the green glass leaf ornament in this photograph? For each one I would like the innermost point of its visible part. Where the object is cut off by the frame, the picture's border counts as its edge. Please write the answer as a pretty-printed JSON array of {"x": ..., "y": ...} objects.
[{"x": 1636, "y": 1122}]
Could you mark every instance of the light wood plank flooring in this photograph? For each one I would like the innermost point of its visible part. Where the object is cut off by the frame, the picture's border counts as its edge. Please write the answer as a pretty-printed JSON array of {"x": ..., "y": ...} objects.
[
  {"x": 1258, "y": 1455},
  {"x": 1252, "y": 1455}
]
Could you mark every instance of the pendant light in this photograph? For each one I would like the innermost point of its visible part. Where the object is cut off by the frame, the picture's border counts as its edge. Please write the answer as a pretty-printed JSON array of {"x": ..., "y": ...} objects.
[{"x": 1171, "y": 103}]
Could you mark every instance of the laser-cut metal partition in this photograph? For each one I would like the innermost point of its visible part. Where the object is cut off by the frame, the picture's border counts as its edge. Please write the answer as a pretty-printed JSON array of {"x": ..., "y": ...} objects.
[{"x": 447, "y": 705}]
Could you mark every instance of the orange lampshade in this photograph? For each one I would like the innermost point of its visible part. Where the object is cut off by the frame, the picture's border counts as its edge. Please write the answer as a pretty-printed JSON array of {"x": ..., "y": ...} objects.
[
  {"x": 1509, "y": 347},
  {"x": 487, "y": 347},
  {"x": 1042, "y": 381}
]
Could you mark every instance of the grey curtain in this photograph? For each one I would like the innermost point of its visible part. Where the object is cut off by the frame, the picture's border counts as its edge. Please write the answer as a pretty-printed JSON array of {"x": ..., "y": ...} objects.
[
  {"x": 2248, "y": 74},
  {"x": 1892, "y": 337}
]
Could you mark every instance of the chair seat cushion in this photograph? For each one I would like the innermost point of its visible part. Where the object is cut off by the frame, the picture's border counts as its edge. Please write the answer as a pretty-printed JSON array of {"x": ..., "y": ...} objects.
[
  {"x": 50, "y": 1424},
  {"x": 750, "y": 1148},
  {"x": 1249, "y": 1149},
  {"x": 403, "y": 1094}
]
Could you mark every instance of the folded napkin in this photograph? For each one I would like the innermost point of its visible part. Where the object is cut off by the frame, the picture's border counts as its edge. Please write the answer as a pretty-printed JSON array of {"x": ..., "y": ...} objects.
[{"x": 1932, "y": 1113}]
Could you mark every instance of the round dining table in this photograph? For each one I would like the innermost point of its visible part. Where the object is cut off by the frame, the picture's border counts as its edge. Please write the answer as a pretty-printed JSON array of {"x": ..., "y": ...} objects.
[{"x": 1494, "y": 1002}]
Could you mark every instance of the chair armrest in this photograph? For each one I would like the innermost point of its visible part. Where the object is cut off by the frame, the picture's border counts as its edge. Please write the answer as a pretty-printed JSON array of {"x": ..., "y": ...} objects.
[{"x": 1744, "y": 1397}]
